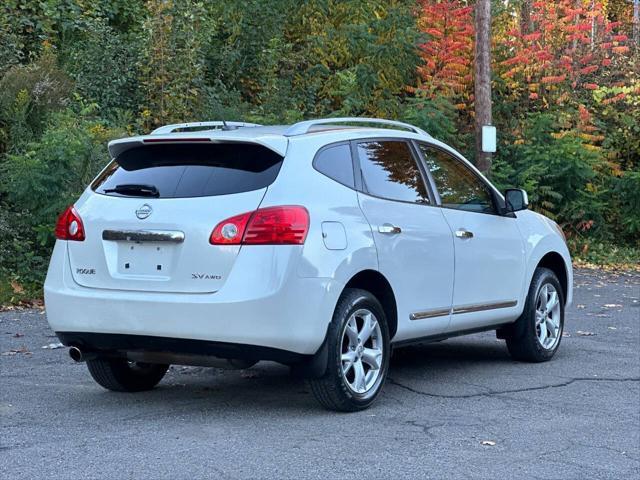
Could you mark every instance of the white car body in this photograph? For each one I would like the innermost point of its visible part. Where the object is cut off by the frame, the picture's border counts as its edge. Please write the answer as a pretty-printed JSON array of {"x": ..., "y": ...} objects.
[{"x": 281, "y": 298}]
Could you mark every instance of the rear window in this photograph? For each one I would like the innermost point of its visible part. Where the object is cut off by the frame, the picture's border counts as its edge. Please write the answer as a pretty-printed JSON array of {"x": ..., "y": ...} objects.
[{"x": 190, "y": 170}]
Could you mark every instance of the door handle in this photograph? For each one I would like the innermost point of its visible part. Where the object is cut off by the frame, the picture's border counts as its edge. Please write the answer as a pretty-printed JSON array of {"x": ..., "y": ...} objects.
[
  {"x": 388, "y": 228},
  {"x": 462, "y": 233}
]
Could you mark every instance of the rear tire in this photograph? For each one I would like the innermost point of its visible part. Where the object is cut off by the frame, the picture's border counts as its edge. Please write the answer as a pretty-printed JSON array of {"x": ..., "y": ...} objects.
[
  {"x": 120, "y": 375},
  {"x": 536, "y": 335},
  {"x": 358, "y": 354}
]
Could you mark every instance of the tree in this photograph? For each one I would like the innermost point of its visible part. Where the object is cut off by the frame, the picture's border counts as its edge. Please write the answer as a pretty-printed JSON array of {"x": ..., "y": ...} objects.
[{"x": 448, "y": 51}]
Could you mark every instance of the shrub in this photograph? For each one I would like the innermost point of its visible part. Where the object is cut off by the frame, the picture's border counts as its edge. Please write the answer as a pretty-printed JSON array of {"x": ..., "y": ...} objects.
[
  {"x": 104, "y": 66},
  {"x": 28, "y": 95},
  {"x": 439, "y": 117},
  {"x": 51, "y": 173},
  {"x": 626, "y": 205},
  {"x": 564, "y": 177}
]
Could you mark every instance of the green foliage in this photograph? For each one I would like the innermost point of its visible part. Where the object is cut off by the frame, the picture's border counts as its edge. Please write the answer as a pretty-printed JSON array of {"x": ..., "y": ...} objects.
[
  {"x": 10, "y": 53},
  {"x": 28, "y": 95},
  {"x": 359, "y": 56},
  {"x": 22, "y": 259},
  {"x": 51, "y": 173},
  {"x": 621, "y": 121},
  {"x": 438, "y": 117},
  {"x": 559, "y": 172},
  {"x": 626, "y": 199},
  {"x": 171, "y": 66},
  {"x": 105, "y": 67}
]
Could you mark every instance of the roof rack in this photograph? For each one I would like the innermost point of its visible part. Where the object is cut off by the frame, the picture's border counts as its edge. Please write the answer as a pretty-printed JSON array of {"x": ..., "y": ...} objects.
[
  {"x": 218, "y": 123},
  {"x": 301, "y": 128}
]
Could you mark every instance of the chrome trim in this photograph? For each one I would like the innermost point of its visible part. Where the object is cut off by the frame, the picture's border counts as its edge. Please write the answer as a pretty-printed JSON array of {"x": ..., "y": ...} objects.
[
  {"x": 388, "y": 228},
  {"x": 439, "y": 312},
  {"x": 462, "y": 233},
  {"x": 480, "y": 307},
  {"x": 143, "y": 236}
]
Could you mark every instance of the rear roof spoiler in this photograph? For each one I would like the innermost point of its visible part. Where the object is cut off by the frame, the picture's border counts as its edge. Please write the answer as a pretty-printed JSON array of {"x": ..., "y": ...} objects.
[{"x": 276, "y": 143}]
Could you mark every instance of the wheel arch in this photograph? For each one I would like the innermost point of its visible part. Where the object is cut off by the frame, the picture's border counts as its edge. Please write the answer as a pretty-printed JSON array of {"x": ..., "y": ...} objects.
[
  {"x": 376, "y": 283},
  {"x": 555, "y": 262}
]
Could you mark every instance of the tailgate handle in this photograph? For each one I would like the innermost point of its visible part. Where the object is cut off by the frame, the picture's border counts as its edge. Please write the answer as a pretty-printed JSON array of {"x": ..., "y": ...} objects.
[{"x": 144, "y": 236}]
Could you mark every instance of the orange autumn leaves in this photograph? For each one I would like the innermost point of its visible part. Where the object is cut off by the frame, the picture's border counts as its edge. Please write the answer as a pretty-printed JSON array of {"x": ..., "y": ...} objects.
[
  {"x": 571, "y": 47},
  {"x": 448, "y": 51},
  {"x": 566, "y": 45}
]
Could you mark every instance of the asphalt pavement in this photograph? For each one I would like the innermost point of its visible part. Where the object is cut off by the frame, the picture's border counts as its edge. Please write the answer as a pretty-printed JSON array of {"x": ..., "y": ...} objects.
[{"x": 454, "y": 409}]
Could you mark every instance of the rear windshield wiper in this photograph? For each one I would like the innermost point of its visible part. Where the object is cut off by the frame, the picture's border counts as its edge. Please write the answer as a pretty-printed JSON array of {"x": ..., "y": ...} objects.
[{"x": 134, "y": 190}]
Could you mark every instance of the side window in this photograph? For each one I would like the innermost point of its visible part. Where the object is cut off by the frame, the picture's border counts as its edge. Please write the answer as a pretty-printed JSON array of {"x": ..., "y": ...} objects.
[
  {"x": 390, "y": 171},
  {"x": 335, "y": 162},
  {"x": 458, "y": 186}
]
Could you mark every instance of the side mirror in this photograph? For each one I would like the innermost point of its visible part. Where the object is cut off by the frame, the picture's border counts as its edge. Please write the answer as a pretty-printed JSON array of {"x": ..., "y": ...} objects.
[{"x": 516, "y": 199}]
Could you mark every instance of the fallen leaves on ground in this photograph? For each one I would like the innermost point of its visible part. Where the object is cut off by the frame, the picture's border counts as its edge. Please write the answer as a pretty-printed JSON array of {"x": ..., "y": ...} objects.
[
  {"x": 15, "y": 351},
  {"x": 489, "y": 443},
  {"x": 16, "y": 287},
  {"x": 612, "y": 305},
  {"x": 53, "y": 346},
  {"x": 585, "y": 334}
]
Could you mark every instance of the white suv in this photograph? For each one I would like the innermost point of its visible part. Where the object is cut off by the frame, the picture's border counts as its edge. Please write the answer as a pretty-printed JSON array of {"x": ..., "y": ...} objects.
[{"x": 319, "y": 245}]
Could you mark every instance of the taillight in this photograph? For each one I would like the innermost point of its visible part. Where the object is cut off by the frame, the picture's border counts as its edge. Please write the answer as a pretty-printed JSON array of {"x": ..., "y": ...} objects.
[
  {"x": 69, "y": 225},
  {"x": 230, "y": 231},
  {"x": 286, "y": 225}
]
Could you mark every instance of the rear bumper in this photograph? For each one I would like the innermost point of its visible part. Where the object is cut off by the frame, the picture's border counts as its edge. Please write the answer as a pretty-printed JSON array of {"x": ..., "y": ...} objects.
[
  {"x": 283, "y": 312},
  {"x": 113, "y": 343}
]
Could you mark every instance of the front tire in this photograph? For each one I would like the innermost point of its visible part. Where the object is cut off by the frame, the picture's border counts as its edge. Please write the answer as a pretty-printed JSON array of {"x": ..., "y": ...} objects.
[
  {"x": 120, "y": 375},
  {"x": 536, "y": 335},
  {"x": 358, "y": 354}
]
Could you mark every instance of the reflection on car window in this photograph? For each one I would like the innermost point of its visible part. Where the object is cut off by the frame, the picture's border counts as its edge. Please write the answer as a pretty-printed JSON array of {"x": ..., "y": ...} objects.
[
  {"x": 458, "y": 187},
  {"x": 390, "y": 171}
]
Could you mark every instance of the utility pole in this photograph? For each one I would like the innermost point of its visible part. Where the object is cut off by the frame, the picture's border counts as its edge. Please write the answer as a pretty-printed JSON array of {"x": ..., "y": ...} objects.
[{"x": 482, "y": 85}]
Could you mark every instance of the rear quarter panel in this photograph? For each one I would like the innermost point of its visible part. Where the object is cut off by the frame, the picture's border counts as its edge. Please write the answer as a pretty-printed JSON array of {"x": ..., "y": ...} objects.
[{"x": 327, "y": 201}]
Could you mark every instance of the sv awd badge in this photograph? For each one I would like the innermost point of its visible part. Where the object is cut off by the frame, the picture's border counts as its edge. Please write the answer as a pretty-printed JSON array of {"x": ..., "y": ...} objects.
[{"x": 205, "y": 276}]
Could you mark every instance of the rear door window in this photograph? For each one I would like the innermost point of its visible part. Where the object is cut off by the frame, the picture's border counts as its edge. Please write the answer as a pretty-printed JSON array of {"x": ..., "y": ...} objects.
[
  {"x": 190, "y": 170},
  {"x": 390, "y": 171}
]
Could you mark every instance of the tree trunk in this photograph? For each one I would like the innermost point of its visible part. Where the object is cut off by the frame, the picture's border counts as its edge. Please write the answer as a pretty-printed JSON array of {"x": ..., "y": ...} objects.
[
  {"x": 526, "y": 25},
  {"x": 636, "y": 23},
  {"x": 482, "y": 79}
]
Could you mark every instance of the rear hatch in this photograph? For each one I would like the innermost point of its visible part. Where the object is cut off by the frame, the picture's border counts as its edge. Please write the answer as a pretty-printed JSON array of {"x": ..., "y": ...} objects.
[{"x": 149, "y": 220}]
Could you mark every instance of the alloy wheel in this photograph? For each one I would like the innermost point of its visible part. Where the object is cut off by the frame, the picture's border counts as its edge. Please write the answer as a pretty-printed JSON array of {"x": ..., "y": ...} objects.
[
  {"x": 362, "y": 351},
  {"x": 548, "y": 317}
]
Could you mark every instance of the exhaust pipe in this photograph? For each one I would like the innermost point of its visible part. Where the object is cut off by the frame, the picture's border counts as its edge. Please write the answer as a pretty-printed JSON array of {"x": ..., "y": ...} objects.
[{"x": 78, "y": 355}]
